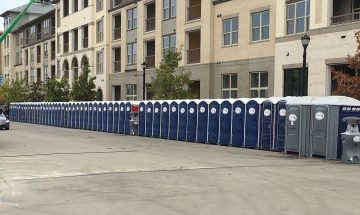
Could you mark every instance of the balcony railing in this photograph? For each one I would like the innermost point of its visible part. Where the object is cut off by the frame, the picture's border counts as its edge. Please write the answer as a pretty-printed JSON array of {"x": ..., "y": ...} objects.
[
  {"x": 117, "y": 33},
  {"x": 66, "y": 47},
  {"x": 150, "y": 61},
  {"x": 85, "y": 43},
  {"x": 194, "y": 12},
  {"x": 345, "y": 18},
  {"x": 117, "y": 66},
  {"x": 150, "y": 24},
  {"x": 194, "y": 55}
]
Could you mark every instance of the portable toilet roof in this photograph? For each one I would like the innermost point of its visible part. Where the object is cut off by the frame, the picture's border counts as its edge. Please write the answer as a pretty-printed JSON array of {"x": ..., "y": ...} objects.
[
  {"x": 259, "y": 100},
  {"x": 276, "y": 100},
  {"x": 337, "y": 101},
  {"x": 306, "y": 100}
]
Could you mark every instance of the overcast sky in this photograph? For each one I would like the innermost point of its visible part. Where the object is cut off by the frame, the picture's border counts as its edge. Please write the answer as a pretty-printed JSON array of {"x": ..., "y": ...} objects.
[{"x": 9, "y": 4}]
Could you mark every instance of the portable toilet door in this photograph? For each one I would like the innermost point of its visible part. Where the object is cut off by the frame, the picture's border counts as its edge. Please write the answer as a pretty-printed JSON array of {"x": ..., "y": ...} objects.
[
  {"x": 122, "y": 118},
  {"x": 142, "y": 118},
  {"x": 252, "y": 124},
  {"x": 81, "y": 116},
  {"x": 85, "y": 116},
  {"x": 105, "y": 117},
  {"x": 203, "y": 119},
  {"x": 319, "y": 125},
  {"x": 110, "y": 117},
  {"x": 51, "y": 115},
  {"x": 174, "y": 120},
  {"x": 73, "y": 115},
  {"x": 58, "y": 115},
  {"x": 192, "y": 122},
  {"x": 238, "y": 123},
  {"x": 157, "y": 119},
  {"x": 214, "y": 120},
  {"x": 165, "y": 117},
  {"x": 43, "y": 113},
  {"x": 90, "y": 116},
  {"x": 183, "y": 120},
  {"x": 63, "y": 115},
  {"x": 280, "y": 122},
  {"x": 94, "y": 117},
  {"x": 69, "y": 115},
  {"x": 266, "y": 125},
  {"x": 77, "y": 115},
  {"x": 116, "y": 117},
  {"x": 149, "y": 119},
  {"x": 225, "y": 123},
  {"x": 127, "y": 118},
  {"x": 99, "y": 117},
  {"x": 292, "y": 136}
]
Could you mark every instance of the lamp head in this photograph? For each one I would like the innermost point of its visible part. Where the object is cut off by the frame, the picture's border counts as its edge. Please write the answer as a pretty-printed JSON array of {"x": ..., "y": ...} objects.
[{"x": 305, "y": 40}]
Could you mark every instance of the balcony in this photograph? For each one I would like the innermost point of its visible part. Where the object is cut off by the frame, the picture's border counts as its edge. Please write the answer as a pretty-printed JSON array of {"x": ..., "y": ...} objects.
[
  {"x": 194, "y": 55},
  {"x": 150, "y": 61},
  {"x": 150, "y": 24},
  {"x": 117, "y": 66},
  {"x": 345, "y": 18},
  {"x": 194, "y": 12},
  {"x": 66, "y": 47},
  {"x": 117, "y": 33},
  {"x": 85, "y": 43}
]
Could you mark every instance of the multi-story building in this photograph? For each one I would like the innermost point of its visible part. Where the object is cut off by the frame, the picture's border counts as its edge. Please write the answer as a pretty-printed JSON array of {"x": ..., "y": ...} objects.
[
  {"x": 227, "y": 46},
  {"x": 331, "y": 25},
  {"x": 1, "y": 65},
  {"x": 27, "y": 40}
]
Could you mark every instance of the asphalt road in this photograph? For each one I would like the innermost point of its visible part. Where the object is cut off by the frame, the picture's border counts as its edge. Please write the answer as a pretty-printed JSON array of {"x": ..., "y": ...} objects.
[{"x": 48, "y": 170}]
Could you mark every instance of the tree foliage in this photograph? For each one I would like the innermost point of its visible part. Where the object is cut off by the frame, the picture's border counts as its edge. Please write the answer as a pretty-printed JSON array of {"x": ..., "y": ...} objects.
[
  {"x": 83, "y": 88},
  {"x": 17, "y": 92},
  {"x": 170, "y": 81},
  {"x": 345, "y": 84},
  {"x": 36, "y": 92},
  {"x": 57, "y": 91}
]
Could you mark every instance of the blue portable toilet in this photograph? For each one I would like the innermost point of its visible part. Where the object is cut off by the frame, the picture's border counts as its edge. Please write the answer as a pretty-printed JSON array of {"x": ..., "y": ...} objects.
[
  {"x": 214, "y": 120},
  {"x": 94, "y": 116},
  {"x": 174, "y": 120},
  {"x": 149, "y": 119},
  {"x": 225, "y": 122},
  {"x": 81, "y": 116},
  {"x": 105, "y": 117},
  {"x": 252, "y": 122},
  {"x": 191, "y": 129},
  {"x": 280, "y": 125},
  {"x": 73, "y": 115},
  {"x": 116, "y": 117},
  {"x": 142, "y": 118},
  {"x": 53, "y": 114},
  {"x": 157, "y": 119},
  {"x": 183, "y": 120},
  {"x": 122, "y": 118},
  {"x": 165, "y": 117},
  {"x": 99, "y": 116},
  {"x": 238, "y": 123},
  {"x": 49, "y": 117},
  {"x": 203, "y": 121},
  {"x": 77, "y": 115},
  {"x": 85, "y": 116},
  {"x": 69, "y": 115},
  {"x": 90, "y": 116},
  {"x": 266, "y": 125},
  {"x": 63, "y": 115},
  {"x": 127, "y": 117},
  {"x": 58, "y": 115},
  {"x": 110, "y": 117}
]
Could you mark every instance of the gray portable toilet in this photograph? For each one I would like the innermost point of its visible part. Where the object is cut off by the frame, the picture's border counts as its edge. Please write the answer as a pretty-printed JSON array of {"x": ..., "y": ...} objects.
[
  {"x": 298, "y": 122},
  {"x": 327, "y": 124}
]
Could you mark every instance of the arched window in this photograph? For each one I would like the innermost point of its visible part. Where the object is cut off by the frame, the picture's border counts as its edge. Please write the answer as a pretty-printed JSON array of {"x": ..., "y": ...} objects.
[
  {"x": 84, "y": 61},
  {"x": 66, "y": 70},
  {"x": 75, "y": 68}
]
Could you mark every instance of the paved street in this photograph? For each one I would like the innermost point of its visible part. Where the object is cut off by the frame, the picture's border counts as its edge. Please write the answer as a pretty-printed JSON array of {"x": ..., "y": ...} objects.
[{"x": 48, "y": 170}]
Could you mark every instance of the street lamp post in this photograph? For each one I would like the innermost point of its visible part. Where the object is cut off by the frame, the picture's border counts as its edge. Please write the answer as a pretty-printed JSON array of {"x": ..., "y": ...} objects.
[
  {"x": 144, "y": 65},
  {"x": 305, "y": 40}
]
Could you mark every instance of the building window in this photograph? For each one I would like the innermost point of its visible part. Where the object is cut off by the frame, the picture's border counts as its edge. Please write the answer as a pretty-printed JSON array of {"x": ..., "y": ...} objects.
[
  {"x": 169, "y": 9},
  {"x": 76, "y": 5},
  {"x": 32, "y": 32},
  {"x": 99, "y": 31},
  {"x": 231, "y": 31},
  {"x": 45, "y": 73},
  {"x": 260, "y": 25},
  {"x": 85, "y": 36},
  {"x": 32, "y": 76},
  {"x": 46, "y": 26},
  {"x": 132, "y": 19},
  {"x": 295, "y": 82},
  {"x": 85, "y": 3},
  {"x": 298, "y": 17},
  {"x": 131, "y": 53},
  {"x": 66, "y": 8},
  {"x": 99, "y": 5},
  {"x": 45, "y": 50},
  {"x": 66, "y": 42},
  {"x": 117, "y": 26},
  {"x": 131, "y": 92},
  {"x": 229, "y": 86},
  {"x": 259, "y": 84},
  {"x": 32, "y": 54},
  {"x": 169, "y": 42},
  {"x": 17, "y": 39},
  {"x": 99, "y": 63}
]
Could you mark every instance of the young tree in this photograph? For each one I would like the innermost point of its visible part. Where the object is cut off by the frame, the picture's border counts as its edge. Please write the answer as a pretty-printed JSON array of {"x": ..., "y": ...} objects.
[
  {"x": 170, "y": 81},
  {"x": 18, "y": 92},
  {"x": 36, "y": 92},
  {"x": 57, "y": 91},
  {"x": 84, "y": 88},
  {"x": 346, "y": 84},
  {"x": 4, "y": 92}
]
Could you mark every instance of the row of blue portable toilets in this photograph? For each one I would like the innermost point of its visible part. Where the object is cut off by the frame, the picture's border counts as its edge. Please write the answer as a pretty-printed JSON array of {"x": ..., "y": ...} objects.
[{"x": 256, "y": 123}]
